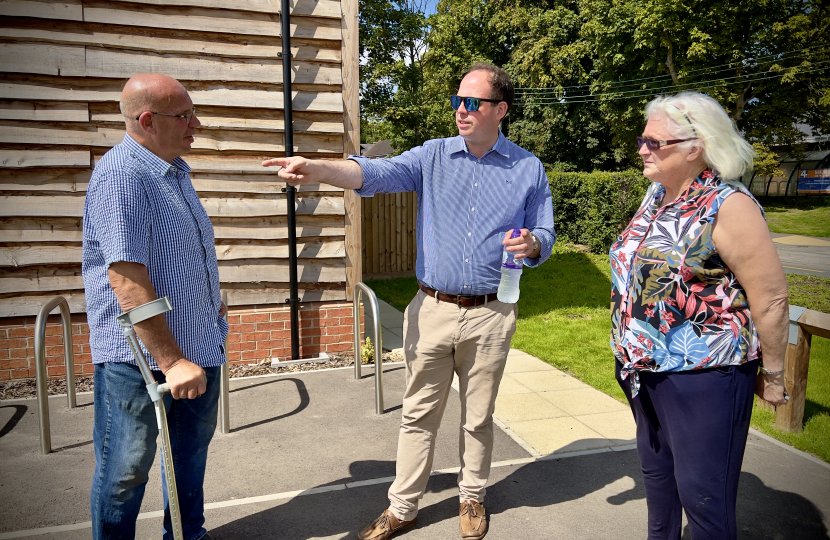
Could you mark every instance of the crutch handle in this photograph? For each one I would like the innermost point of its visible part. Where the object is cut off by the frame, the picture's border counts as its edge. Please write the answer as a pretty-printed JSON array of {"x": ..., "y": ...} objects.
[{"x": 163, "y": 388}]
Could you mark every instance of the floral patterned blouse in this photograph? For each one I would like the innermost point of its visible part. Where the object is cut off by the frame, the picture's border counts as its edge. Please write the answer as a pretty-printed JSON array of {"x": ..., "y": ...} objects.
[{"x": 675, "y": 305}]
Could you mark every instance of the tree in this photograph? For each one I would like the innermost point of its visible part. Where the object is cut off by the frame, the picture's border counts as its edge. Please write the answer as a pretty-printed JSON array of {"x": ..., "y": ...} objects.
[
  {"x": 547, "y": 51},
  {"x": 585, "y": 69},
  {"x": 765, "y": 61},
  {"x": 392, "y": 37}
]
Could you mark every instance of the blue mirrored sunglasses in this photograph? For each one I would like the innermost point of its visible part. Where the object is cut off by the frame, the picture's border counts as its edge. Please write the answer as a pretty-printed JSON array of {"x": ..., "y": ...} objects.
[{"x": 471, "y": 104}]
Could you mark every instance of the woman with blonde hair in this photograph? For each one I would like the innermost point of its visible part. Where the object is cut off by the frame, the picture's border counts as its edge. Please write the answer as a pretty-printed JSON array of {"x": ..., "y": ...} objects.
[{"x": 699, "y": 305}]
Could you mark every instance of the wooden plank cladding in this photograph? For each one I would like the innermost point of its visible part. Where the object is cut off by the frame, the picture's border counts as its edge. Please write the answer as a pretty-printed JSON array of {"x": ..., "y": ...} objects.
[
  {"x": 87, "y": 134},
  {"x": 263, "y": 293},
  {"x": 218, "y": 94},
  {"x": 66, "y": 10},
  {"x": 314, "y": 8},
  {"x": 54, "y": 229},
  {"x": 208, "y": 20},
  {"x": 233, "y": 118},
  {"x": 249, "y": 205},
  {"x": 48, "y": 254},
  {"x": 164, "y": 41},
  {"x": 63, "y": 64},
  {"x": 74, "y": 61},
  {"x": 44, "y": 111}
]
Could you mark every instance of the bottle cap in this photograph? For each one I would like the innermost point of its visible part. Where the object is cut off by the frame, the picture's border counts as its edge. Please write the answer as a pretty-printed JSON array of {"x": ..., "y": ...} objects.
[{"x": 516, "y": 233}]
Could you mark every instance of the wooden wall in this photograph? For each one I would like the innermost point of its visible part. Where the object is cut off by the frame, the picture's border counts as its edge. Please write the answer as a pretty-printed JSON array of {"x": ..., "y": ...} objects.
[
  {"x": 389, "y": 235},
  {"x": 62, "y": 66}
]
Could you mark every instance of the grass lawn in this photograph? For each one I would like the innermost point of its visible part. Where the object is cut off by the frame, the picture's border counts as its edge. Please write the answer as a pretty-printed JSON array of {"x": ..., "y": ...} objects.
[
  {"x": 564, "y": 320},
  {"x": 812, "y": 292},
  {"x": 808, "y": 216}
]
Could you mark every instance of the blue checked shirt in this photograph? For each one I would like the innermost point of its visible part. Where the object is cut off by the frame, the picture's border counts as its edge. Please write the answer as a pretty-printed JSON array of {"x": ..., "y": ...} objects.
[
  {"x": 465, "y": 205},
  {"x": 141, "y": 209}
]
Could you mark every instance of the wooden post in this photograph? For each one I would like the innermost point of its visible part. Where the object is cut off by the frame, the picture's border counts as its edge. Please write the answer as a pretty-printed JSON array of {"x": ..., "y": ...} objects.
[
  {"x": 351, "y": 139},
  {"x": 790, "y": 417}
]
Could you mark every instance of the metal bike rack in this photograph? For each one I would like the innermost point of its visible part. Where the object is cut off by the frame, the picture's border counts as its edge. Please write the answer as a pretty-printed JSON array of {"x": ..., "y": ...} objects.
[
  {"x": 224, "y": 382},
  {"x": 373, "y": 302},
  {"x": 40, "y": 367}
]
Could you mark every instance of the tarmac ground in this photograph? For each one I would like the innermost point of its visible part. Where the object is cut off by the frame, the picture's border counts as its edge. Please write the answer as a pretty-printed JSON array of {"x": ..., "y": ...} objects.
[
  {"x": 307, "y": 458},
  {"x": 807, "y": 255}
]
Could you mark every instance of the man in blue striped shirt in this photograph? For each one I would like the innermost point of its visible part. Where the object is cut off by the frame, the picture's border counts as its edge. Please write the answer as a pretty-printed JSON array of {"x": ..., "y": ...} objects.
[
  {"x": 473, "y": 190},
  {"x": 146, "y": 235}
]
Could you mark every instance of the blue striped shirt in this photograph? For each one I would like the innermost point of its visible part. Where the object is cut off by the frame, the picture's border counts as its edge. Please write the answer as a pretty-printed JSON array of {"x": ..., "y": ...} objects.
[
  {"x": 465, "y": 205},
  {"x": 141, "y": 209}
]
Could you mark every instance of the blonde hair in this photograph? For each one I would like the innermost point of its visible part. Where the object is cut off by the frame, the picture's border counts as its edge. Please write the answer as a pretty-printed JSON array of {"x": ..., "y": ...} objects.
[{"x": 694, "y": 115}]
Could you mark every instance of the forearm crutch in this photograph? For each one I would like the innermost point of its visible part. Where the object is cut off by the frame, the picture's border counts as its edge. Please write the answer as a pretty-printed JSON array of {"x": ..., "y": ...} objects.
[{"x": 127, "y": 321}]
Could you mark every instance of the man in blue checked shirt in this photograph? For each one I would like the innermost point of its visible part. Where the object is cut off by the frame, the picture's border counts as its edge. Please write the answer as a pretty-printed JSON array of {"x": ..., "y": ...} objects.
[
  {"x": 472, "y": 189},
  {"x": 147, "y": 235}
]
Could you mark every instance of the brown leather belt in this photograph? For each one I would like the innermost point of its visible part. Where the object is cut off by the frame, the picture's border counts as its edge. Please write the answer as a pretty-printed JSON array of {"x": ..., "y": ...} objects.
[{"x": 461, "y": 300}]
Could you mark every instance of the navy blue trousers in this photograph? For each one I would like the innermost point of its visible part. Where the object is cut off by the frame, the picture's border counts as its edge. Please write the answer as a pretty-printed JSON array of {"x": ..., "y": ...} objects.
[{"x": 691, "y": 435}]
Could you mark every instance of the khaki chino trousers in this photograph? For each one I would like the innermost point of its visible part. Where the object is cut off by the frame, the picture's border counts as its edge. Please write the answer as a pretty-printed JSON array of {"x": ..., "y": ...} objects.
[{"x": 441, "y": 339}]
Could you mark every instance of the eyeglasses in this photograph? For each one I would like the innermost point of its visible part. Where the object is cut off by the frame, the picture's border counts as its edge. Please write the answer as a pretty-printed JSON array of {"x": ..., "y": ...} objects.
[
  {"x": 185, "y": 116},
  {"x": 653, "y": 144},
  {"x": 470, "y": 103}
]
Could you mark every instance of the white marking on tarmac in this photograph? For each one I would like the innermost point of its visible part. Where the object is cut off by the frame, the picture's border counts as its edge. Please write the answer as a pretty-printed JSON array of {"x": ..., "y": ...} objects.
[
  {"x": 313, "y": 491},
  {"x": 47, "y": 530}
]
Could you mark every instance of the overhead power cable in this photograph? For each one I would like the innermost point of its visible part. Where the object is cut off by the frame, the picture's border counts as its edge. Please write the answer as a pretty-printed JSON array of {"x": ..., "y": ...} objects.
[
  {"x": 711, "y": 69},
  {"x": 614, "y": 96},
  {"x": 677, "y": 86}
]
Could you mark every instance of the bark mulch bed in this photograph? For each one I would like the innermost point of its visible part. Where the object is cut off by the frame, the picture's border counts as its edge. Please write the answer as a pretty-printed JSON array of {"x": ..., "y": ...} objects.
[{"x": 27, "y": 388}]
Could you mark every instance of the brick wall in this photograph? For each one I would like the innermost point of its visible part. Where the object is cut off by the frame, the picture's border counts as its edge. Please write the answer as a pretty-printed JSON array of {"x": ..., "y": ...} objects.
[{"x": 255, "y": 335}]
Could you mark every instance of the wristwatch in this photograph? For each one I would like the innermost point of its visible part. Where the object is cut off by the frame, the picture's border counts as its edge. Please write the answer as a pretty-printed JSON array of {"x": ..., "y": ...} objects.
[
  {"x": 768, "y": 372},
  {"x": 535, "y": 242}
]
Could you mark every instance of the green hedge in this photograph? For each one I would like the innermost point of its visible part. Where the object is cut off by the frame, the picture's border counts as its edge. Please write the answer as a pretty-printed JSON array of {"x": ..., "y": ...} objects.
[{"x": 593, "y": 208}]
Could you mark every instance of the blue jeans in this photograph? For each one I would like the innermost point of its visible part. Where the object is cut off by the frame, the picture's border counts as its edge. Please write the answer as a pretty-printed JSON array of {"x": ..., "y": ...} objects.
[{"x": 124, "y": 437}]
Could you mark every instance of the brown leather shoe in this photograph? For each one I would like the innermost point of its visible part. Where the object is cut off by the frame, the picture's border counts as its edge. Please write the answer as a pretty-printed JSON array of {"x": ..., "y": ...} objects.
[
  {"x": 384, "y": 527},
  {"x": 473, "y": 524}
]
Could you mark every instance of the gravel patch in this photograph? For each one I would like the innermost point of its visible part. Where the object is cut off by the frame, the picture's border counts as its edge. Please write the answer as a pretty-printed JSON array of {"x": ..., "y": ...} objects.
[{"x": 27, "y": 388}]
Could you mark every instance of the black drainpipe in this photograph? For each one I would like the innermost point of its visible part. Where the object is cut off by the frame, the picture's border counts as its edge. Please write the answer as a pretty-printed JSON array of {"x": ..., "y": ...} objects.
[{"x": 293, "y": 300}]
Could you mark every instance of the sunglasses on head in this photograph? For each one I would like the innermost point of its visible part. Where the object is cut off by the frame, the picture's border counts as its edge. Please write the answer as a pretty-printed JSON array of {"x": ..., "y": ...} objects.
[
  {"x": 470, "y": 103},
  {"x": 653, "y": 144}
]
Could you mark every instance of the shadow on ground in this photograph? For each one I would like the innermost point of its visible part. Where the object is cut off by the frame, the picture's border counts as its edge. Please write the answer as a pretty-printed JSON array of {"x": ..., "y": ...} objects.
[{"x": 546, "y": 486}]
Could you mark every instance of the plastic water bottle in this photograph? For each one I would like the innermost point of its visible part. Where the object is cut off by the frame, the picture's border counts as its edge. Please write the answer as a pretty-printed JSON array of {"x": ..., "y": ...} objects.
[{"x": 511, "y": 272}]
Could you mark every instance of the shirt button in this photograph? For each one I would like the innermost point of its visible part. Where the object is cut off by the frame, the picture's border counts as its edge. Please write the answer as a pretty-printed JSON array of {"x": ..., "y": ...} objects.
[
  {"x": 469, "y": 234},
  {"x": 476, "y": 184},
  {"x": 472, "y": 209},
  {"x": 465, "y": 286},
  {"x": 466, "y": 260}
]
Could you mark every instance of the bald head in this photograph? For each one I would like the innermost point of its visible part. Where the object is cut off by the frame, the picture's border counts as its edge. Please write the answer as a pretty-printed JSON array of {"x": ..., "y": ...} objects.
[
  {"x": 149, "y": 92},
  {"x": 159, "y": 115}
]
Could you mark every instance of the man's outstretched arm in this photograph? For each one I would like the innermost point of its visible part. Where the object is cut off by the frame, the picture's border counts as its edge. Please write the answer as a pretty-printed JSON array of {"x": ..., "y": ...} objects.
[{"x": 298, "y": 170}]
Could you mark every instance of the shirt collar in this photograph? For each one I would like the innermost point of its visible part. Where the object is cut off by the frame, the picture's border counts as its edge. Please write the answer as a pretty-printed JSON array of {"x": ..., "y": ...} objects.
[
  {"x": 705, "y": 178},
  {"x": 157, "y": 166},
  {"x": 457, "y": 144}
]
